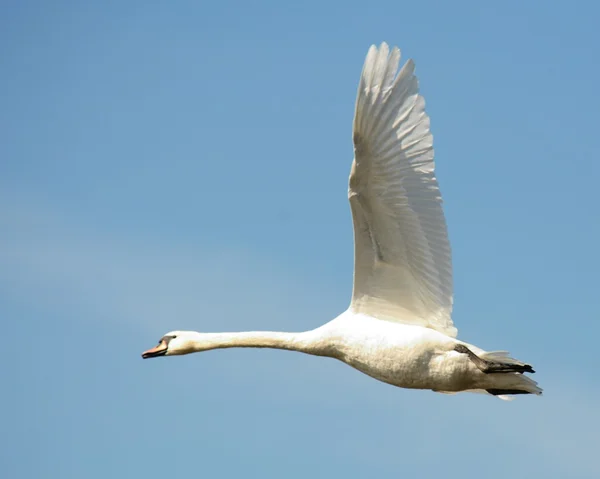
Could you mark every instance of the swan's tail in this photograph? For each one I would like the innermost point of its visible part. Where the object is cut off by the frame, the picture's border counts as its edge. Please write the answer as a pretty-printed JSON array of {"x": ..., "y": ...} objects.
[
  {"x": 519, "y": 385},
  {"x": 503, "y": 376},
  {"x": 513, "y": 383}
]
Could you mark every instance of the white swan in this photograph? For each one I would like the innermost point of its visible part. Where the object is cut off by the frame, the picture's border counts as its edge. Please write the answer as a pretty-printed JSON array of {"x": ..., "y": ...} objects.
[{"x": 398, "y": 327}]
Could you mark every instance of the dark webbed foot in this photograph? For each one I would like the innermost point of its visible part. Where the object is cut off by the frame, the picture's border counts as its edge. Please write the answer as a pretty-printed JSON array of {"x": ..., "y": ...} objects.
[
  {"x": 489, "y": 367},
  {"x": 504, "y": 392}
]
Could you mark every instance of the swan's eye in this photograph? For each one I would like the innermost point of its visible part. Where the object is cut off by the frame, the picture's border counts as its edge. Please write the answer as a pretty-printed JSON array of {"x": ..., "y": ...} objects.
[{"x": 166, "y": 339}]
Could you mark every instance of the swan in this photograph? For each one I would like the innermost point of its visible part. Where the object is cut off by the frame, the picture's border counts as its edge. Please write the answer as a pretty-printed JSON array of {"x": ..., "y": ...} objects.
[{"x": 398, "y": 327}]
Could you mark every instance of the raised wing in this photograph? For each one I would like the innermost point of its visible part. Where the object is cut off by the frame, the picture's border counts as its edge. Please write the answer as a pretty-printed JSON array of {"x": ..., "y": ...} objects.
[{"x": 402, "y": 259}]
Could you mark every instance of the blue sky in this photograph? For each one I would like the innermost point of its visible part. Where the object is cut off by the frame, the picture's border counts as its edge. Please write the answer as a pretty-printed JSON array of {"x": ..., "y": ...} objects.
[{"x": 183, "y": 165}]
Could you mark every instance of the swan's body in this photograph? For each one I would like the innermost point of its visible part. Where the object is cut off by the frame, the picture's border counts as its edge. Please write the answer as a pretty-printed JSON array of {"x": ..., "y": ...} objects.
[{"x": 398, "y": 328}]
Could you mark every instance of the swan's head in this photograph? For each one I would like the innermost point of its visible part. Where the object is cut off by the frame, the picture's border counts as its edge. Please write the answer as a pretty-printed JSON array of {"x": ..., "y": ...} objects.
[{"x": 173, "y": 344}]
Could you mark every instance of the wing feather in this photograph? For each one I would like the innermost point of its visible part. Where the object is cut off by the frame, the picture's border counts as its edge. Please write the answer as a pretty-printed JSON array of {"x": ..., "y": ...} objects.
[{"x": 402, "y": 265}]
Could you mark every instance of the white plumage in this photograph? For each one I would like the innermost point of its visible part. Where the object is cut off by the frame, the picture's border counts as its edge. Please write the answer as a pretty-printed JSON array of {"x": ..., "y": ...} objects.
[
  {"x": 402, "y": 267},
  {"x": 398, "y": 328}
]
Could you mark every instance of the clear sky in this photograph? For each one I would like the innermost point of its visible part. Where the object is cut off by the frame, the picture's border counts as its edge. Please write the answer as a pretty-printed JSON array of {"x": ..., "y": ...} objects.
[{"x": 183, "y": 165}]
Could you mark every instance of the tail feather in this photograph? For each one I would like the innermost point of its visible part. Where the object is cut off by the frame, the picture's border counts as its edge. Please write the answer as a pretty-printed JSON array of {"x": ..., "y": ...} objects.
[
  {"x": 503, "y": 375},
  {"x": 504, "y": 397},
  {"x": 505, "y": 386},
  {"x": 504, "y": 394}
]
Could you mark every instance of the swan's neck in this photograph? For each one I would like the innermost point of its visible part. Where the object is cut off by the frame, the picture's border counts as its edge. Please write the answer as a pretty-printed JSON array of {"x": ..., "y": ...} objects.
[{"x": 309, "y": 342}]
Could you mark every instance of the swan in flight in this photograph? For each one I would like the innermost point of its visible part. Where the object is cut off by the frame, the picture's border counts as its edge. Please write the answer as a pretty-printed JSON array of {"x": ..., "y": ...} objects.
[{"x": 397, "y": 328}]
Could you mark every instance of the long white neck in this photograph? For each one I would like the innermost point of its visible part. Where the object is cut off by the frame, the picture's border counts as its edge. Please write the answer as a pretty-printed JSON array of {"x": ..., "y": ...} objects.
[{"x": 309, "y": 342}]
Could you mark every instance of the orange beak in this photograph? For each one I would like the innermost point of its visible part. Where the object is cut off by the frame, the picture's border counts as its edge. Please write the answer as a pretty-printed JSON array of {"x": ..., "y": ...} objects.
[{"x": 156, "y": 351}]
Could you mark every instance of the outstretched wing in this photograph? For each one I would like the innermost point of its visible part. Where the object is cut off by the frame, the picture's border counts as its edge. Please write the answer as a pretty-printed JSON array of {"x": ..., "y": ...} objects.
[{"x": 402, "y": 260}]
